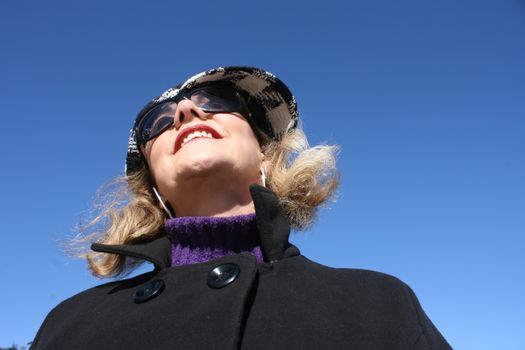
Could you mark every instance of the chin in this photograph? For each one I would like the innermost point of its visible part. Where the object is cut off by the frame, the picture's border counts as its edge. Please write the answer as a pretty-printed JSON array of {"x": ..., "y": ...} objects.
[{"x": 202, "y": 165}]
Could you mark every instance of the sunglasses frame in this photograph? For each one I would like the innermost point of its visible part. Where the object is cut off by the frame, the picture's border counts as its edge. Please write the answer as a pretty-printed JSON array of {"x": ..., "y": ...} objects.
[{"x": 243, "y": 110}]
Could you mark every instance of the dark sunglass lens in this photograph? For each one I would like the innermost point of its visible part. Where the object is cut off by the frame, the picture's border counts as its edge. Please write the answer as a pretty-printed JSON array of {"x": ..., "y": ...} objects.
[
  {"x": 157, "y": 120},
  {"x": 217, "y": 99}
]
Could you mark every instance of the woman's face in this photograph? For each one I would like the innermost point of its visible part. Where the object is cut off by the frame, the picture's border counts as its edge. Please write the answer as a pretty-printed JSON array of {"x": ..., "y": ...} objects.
[{"x": 203, "y": 147}]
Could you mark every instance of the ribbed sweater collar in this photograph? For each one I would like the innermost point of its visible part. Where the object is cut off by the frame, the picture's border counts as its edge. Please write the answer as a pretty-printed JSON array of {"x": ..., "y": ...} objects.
[{"x": 196, "y": 239}]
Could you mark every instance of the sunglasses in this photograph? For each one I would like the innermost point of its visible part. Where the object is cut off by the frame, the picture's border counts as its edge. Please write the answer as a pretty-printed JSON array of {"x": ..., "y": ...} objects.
[{"x": 211, "y": 99}]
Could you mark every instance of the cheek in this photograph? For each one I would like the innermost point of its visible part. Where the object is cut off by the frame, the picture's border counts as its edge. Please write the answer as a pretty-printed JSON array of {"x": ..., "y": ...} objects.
[
  {"x": 249, "y": 150},
  {"x": 151, "y": 151},
  {"x": 155, "y": 152}
]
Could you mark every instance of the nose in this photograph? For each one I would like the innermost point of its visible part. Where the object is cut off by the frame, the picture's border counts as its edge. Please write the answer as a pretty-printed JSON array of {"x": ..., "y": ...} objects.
[{"x": 186, "y": 111}]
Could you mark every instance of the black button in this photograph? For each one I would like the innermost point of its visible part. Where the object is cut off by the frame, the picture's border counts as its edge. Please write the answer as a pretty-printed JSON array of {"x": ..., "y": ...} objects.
[
  {"x": 223, "y": 275},
  {"x": 149, "y": 291}
]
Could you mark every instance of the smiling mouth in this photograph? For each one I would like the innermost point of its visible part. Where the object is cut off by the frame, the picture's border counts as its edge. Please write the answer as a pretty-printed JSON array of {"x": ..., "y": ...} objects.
[
  {"x": 195, "y": 135},
  {"x": 195, "y": 132}
]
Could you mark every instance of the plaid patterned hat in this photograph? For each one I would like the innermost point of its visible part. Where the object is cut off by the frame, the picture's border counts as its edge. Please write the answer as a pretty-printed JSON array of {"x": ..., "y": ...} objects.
[{"x": 272, "y": 105}]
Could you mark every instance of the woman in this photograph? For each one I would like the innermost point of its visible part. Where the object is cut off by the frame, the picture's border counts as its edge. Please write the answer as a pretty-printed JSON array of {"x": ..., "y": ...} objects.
[{"x": 219, "y": 173}]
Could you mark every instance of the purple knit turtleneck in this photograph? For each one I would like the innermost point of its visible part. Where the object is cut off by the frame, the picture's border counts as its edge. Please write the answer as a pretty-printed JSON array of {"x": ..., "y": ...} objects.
[{"x": 196, "y": 239}]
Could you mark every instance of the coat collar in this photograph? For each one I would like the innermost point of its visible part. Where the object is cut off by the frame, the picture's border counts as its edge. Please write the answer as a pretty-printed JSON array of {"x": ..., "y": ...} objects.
[{"x": 272, "y": 224}]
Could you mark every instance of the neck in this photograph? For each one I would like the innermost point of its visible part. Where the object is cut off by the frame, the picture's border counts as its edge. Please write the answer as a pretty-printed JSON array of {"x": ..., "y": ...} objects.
[{"x": 202, "y": 198}]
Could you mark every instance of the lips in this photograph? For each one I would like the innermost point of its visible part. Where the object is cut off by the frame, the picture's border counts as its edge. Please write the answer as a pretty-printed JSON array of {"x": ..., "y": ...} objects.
[{"x": 192, "y": 132}]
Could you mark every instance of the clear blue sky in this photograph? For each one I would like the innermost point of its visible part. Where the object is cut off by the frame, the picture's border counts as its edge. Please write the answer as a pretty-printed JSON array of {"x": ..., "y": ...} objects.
[{"x": 426, "y": 99}]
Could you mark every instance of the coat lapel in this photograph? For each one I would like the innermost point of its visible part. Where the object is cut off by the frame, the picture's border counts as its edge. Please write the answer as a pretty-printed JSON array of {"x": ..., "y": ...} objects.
[{"x": 272, "y": 223}]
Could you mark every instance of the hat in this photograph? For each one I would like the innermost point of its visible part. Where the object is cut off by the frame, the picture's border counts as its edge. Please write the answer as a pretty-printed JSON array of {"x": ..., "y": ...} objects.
[{"x": 271, "y": 104}]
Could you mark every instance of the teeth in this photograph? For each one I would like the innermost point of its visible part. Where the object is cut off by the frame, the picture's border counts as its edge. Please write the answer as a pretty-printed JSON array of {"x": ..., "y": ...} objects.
[{"x": 195, "y": 134}]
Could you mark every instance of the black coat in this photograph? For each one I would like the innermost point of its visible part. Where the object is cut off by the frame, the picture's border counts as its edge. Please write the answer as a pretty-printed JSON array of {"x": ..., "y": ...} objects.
[{"x": 288, "y": 302}]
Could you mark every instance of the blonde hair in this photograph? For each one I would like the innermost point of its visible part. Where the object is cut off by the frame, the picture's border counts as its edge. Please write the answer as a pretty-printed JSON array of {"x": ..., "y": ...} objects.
[{"x": 302, "y": 177}]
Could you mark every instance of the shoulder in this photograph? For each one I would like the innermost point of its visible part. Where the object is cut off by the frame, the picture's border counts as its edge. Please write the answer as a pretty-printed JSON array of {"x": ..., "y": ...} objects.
[
  {"x": 71, "y": 313},
  {"x": 357, "y": 278},
  {"x": 376, "y": 289},
  {"x": 104, "y": 290},
  {"x": 356, "y": 290},
  {"x": 377, "y": 299}
]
